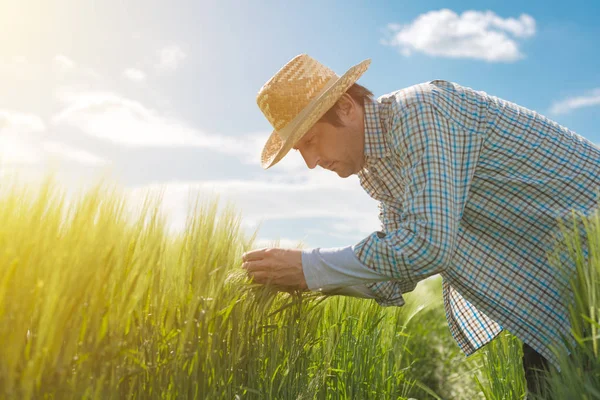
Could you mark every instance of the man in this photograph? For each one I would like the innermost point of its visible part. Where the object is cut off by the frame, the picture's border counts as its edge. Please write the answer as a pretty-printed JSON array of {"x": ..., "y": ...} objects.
[{"x": 470, "y": 187}]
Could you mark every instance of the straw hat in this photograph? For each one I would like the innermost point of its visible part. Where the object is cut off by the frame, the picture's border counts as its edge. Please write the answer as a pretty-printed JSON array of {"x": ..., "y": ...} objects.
[{"x": 296, "y": 97}]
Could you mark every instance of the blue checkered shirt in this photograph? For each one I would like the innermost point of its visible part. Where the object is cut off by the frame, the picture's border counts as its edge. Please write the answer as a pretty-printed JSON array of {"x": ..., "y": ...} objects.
[{"x": 471, "y": 187}]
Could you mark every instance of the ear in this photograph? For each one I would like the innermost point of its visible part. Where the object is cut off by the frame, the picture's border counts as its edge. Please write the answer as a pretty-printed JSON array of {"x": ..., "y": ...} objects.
[
  {"x": 345, "y": 105},
  {"x": 348, "y": 109}
]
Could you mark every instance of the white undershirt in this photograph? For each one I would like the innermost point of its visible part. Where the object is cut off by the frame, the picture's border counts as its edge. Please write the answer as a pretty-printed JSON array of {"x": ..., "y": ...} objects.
[{"x": 337, "y": 270}]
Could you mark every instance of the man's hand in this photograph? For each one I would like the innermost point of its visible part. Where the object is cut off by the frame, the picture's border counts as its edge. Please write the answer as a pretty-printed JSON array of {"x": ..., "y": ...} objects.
[{"x": 281, "y": 267}]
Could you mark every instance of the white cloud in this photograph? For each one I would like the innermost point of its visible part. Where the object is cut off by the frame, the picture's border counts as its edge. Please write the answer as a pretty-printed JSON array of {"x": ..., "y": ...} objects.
[
  {"x": 289, "y": 191},
  {"x": 170, "y": 57},
  {"x": 123, "y": 121},
  {"x": 135, "y": 75},
  {"x": 18, "y": 134},
  {"x": 127, "y": 122},
  {"x": 16, "y": 151},
  {"x": 63, "y": 62},
  {"x": 18, "y": 67},
  {"x": 18, "y": 121},
  {"x": 572, "y": 103},
  {"x": 314, "y": 194},
  {"x": 23, "y": 141},
  {"x": 71, "y": 153},
  {"x": 70, "y": 73},
  {"x": 473, "y": 34}
]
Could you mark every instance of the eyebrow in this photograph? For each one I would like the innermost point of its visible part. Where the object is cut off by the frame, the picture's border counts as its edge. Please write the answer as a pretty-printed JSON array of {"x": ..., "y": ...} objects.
[
  {"x": 304, "y": 138},
  {"x": 298, "y": 142}
]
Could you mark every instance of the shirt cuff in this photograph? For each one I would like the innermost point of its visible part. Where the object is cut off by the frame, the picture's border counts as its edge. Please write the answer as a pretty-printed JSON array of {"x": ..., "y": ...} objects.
[
  {"x": 335, "y": 268},
  {"x": 361, "y": 291}
]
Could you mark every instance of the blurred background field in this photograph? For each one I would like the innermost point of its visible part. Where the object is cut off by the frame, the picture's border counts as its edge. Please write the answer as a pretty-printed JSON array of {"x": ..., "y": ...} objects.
[{"x": 100, "y": 302}]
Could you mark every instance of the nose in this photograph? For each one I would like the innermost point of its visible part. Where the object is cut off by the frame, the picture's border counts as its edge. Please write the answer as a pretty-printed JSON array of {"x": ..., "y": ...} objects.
[{"x": 311, "y": 159}]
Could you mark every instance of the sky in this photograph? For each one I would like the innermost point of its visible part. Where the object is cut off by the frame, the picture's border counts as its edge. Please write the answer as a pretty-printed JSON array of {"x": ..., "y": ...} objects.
[{"x": 161, "y": 96}]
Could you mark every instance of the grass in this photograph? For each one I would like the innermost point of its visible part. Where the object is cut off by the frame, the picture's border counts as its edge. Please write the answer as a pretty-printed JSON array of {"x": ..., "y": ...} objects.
[
  {"x": 501, "y": 376},
  {"x": 97, "y": 302},
  {"x": 579, "y": 375}
]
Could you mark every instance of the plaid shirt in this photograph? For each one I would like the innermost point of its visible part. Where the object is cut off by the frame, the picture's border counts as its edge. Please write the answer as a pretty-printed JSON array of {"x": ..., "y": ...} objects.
[{"x": 471, "y": 187}]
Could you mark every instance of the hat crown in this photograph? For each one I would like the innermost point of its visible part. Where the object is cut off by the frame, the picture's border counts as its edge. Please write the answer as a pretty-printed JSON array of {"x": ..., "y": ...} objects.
[{"x": 292, "y": 88}]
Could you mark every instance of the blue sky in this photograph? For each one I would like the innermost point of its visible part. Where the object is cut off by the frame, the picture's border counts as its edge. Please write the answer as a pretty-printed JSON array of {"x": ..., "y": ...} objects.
[{"x": 162, "y": 95}]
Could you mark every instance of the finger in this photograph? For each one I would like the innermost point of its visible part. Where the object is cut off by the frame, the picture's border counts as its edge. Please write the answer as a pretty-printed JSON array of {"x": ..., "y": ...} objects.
[
  {"x": 254, "y": 255},
  {"x": 269, "y": 277},
  {"x": 260, "y": 277},
  {"x": 258, "y": 265}
]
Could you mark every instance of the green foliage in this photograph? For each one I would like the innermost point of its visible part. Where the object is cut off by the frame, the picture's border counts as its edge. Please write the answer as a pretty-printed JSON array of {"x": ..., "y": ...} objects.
[
  {"x": 579, "y": 375},
  {"x": 502, "y": 376},
  {"x": 99, "y": 302}
]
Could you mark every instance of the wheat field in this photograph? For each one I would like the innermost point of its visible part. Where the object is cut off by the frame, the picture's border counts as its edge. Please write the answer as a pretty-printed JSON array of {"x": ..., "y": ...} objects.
[{"x": 97, "y": 302}]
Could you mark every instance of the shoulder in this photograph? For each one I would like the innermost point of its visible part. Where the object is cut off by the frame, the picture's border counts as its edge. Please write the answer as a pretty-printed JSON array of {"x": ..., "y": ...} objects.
[
  {"x": 409, "y": 96},
  {"x": 454, "y": 102},
  {"x": 437, "y": 93},
  {"x": 428, "y": 92},
  {"x": 417, "y": 99}
]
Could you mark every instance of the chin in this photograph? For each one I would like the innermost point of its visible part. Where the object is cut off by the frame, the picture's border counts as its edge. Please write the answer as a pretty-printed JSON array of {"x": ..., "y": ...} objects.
[{"x": 343, "y": 174}]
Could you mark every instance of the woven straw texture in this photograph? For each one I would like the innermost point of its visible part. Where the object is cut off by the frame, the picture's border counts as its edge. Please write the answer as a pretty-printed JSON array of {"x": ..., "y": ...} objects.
[{"x": 296, "y": 97}]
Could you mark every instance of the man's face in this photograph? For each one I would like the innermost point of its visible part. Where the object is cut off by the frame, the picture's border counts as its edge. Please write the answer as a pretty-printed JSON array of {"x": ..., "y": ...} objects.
[{"x": 339, "y": 149}]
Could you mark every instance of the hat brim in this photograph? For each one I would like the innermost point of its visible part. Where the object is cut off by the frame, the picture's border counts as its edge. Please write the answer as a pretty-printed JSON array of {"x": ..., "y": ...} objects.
[{"x": 276, "y": 148}]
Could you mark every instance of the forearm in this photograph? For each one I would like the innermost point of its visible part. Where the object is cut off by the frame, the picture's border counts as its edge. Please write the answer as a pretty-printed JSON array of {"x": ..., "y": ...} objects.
[{"x": 334, "y": 268}]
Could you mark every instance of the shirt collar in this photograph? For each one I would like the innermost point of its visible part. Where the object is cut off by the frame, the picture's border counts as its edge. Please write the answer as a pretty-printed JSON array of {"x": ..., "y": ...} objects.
[{"x": 375, "y": 144}]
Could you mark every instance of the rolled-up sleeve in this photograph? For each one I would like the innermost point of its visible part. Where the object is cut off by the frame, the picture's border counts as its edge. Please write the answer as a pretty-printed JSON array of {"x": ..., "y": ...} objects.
[{"x": 420, "y": 229}]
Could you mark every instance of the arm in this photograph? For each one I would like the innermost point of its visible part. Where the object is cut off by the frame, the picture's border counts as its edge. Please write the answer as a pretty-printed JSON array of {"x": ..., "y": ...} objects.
[
  {"x": 420, "y": 228},
  {"x": 337, "y": 271}
]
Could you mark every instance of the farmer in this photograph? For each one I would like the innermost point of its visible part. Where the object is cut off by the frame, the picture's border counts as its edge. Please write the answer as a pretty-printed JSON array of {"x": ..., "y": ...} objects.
[{"x": 470, "y": 187}]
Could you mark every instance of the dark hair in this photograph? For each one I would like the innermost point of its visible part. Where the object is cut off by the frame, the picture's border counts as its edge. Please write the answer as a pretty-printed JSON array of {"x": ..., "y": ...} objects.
[{"x": 358, "y": 93}]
